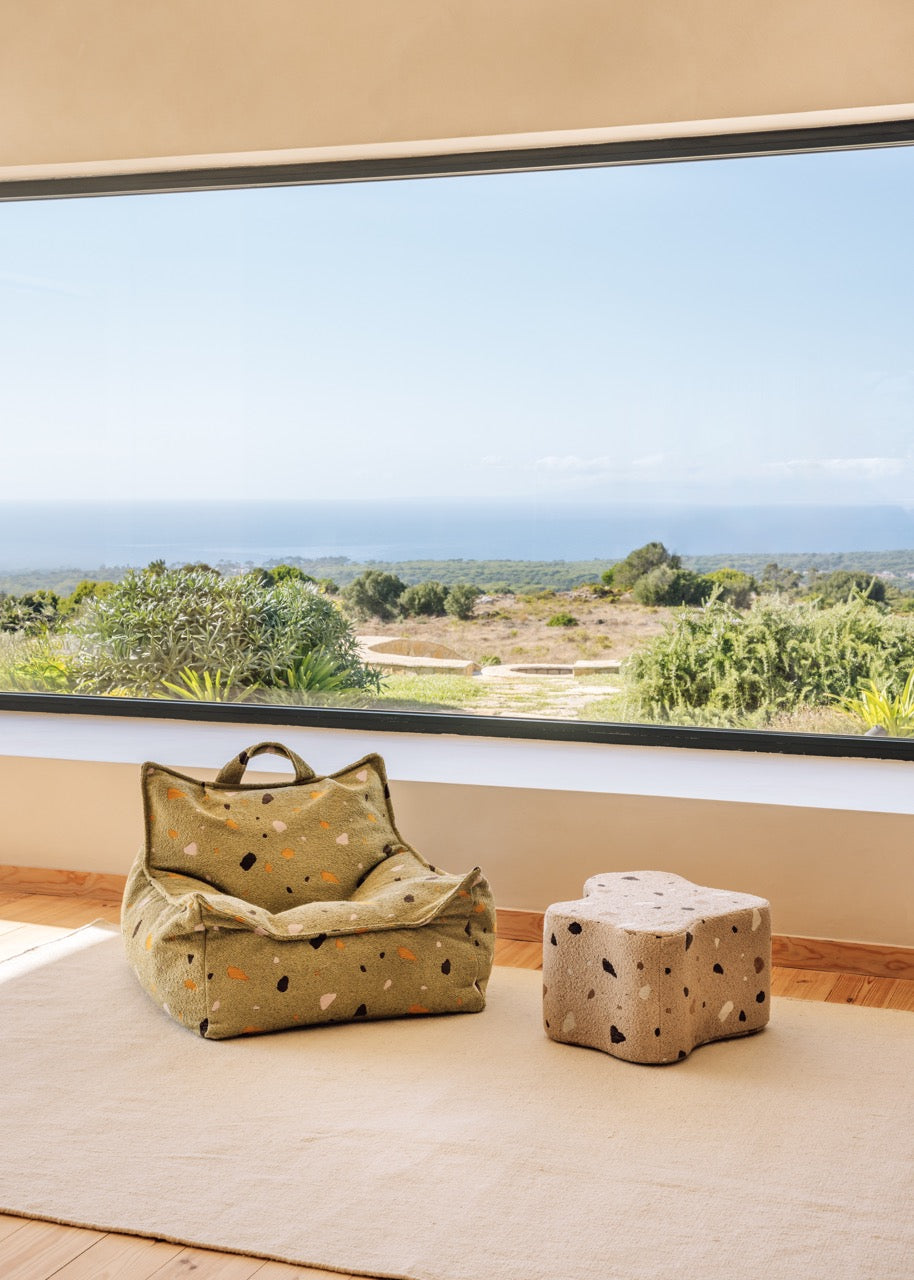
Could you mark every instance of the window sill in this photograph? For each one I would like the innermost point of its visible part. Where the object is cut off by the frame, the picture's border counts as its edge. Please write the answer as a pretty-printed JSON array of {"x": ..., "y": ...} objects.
[{"x": 810, "y": 782}]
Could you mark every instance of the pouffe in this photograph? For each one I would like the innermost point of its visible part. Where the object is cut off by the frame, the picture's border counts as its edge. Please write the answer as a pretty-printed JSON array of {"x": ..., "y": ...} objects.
[{"x": 647, "y": 965}]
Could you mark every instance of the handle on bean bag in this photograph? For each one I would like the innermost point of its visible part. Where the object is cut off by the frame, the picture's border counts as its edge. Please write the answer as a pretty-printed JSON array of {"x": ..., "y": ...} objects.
[{"x": 234, "y": 770}]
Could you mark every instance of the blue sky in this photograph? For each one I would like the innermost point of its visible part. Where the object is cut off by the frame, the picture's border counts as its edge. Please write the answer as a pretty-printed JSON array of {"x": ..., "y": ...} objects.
[{"x": 730, "y": 331}]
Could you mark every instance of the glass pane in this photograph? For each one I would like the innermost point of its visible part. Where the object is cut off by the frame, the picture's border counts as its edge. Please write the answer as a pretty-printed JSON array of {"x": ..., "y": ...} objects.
[{"x": 622, "y": 444}]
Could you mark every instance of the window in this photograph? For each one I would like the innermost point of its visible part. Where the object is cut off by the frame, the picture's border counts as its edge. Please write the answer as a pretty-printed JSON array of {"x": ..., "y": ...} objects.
[{"x": 585, "y": 452}]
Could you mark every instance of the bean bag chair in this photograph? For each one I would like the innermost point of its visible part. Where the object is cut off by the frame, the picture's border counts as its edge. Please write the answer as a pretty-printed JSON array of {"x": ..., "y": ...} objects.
[{"x": 255, "y": 908}]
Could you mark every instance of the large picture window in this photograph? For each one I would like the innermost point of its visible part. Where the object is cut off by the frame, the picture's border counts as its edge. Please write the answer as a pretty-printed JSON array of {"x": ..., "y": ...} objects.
[{"x": 610, "y": 446}]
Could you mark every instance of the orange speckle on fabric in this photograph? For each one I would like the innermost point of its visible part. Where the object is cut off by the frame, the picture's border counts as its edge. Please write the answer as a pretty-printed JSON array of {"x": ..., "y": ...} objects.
[
  {"x": 329, "y": 877},
  {"x": 240, "y": 919},
  {"x": 268, "y": 866},
  {"x": 460, "y": 1000},
  {"x": 238, "y": 974},
  {"x": 371, "y": 817},
  {"x": 480, "y": 906},
  {"x": 174, "y": 794},
  {"x": 340, "y": 944},
  {"x": 462, "y": 893},
  {"x": 190, "y": 984},
  {"x": 316, "y": 795},
  {"x": 287, "y": 853},
  {"x": 325, "y": 825},
  {"x": 148, "y": 941},
  {"x": 417, "y": 1008},
  {"x": 231, "y": 824},
  {"x": 172, "y": 833},
  {"x": 405, "y": 954},
  {"x": 252, "y": 1031}
]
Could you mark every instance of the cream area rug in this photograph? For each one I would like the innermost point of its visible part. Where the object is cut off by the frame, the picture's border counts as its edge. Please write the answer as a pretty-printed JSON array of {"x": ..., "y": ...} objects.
[{"x": 458, "y": 1148}]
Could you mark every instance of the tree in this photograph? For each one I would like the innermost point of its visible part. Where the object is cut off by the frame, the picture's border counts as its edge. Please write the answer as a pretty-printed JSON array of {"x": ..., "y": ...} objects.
[
  {"x": 776, "y": 579},
  {"x": 734, "y": 586},
  {"x": 837, "y": 587},
  {"x": 87, "y": 589},
  {"x": 425, "y": 599},
  {"x": 374, "y": 595},
  {"x": 286, "y": 573},
  {"x": 669, "y": 586},
  {"x": 461, "y": 600},
  {"x": 640, "y": 562}
]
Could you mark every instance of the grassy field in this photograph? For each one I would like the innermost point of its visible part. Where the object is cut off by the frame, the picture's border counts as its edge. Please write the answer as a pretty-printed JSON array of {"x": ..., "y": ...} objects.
[{"x": 514, "y": 628}]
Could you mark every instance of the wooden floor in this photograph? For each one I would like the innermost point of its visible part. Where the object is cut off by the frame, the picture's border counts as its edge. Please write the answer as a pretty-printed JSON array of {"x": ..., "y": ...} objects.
[{"x": 31, "y": 1250}]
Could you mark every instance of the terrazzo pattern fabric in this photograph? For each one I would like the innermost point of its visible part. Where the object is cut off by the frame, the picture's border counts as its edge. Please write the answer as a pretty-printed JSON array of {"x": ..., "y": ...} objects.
[
  {"x": 255, "y": 908},
  {"x": 648, "y": 965}
]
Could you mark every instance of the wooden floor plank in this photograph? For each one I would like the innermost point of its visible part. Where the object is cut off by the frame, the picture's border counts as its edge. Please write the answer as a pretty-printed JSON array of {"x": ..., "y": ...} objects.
[
  {"x": 519, "y": 955},
  {"x": 9, "y": 1223},
  {"x": 848, "y": 989},
  {"x": 39, "y": 1249},
  {"x": 803, "y": 984},
  {"x": 901, "y": 996},
  {"x": 71, "y": 913},
  {"x": 207, "y": 1264},
  {"x": 119, "y": 1257}
]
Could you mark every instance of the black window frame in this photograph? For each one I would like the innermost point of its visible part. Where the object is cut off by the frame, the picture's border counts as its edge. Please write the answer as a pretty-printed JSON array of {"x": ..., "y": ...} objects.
[{"x": 597, "y": 155}]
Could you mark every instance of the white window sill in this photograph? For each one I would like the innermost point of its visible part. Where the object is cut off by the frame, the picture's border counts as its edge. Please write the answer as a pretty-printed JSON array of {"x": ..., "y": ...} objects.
[{"x": 871, "y": 786}]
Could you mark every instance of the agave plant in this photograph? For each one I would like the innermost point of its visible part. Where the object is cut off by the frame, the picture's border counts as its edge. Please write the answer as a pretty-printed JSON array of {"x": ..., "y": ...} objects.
[
  {"x": 878, "y": 708},
  {"x": 205, "y": 686},
  {"x": 314, "y": 672}
]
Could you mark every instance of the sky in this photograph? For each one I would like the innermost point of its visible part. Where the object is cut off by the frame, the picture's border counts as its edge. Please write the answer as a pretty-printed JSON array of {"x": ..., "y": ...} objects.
[{"x": 726, "y": 332}]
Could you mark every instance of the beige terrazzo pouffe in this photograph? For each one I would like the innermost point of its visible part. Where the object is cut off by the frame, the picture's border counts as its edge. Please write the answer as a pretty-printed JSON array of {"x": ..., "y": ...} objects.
[{"x": 647, "y": 965}]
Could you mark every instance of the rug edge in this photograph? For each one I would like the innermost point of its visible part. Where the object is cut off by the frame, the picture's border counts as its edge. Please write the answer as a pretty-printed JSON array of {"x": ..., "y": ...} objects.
[{"x": 186, "y": 1243}]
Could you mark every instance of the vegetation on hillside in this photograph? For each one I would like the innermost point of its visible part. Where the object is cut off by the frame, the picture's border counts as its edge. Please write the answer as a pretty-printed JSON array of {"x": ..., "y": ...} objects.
[{"x": 724, "y": 646}]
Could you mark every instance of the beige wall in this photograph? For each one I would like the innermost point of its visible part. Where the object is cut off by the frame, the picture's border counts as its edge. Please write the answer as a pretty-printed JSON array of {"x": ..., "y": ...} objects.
[
  {"x": 827, "y": 874},
  {"x": 113, "y": 82}
]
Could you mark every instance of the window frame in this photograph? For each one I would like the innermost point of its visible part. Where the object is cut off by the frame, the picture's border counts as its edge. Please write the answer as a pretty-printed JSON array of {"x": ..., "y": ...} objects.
[{"x": 597, "y": 155}]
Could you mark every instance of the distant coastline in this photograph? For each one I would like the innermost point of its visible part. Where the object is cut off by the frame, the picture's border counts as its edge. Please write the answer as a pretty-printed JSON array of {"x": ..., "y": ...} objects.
[
  {"x": 525, "y": 543},
  {"x": 897, "y": 567}
]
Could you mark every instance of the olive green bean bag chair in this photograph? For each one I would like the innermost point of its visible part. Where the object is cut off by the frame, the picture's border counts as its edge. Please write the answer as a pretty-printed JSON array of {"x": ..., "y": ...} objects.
[{"x": 254, "y": 908}]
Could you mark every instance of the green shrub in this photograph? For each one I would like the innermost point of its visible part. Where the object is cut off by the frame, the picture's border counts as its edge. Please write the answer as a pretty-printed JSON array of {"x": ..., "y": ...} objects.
[
  {"x": 425, "y": 599},
  {"x": 374, "y": 594},
  {"x": 153, "y": 626},
  {"x": 835, "y": 588},
  {"x": 733, "y": 586},
  {"x": 666, "y": 585},
  {"x": 777, "y": 656},
  {"x": 490, "y": 660},
  {"x": 461, "y": 600},
  {"x": 562, "y": 620},
  {"x": 34, "y": 664},
  {"x": 33, "y": 612}
]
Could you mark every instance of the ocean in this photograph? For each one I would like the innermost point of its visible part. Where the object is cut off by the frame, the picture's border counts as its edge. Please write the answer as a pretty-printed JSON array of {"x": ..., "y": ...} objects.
[{"x": 49, "y": 535}]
